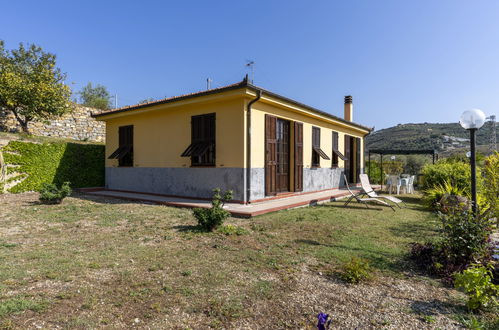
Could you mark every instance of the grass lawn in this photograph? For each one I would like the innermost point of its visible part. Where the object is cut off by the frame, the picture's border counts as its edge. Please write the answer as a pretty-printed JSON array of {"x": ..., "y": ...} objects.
[{"x": 98, "y": 262}]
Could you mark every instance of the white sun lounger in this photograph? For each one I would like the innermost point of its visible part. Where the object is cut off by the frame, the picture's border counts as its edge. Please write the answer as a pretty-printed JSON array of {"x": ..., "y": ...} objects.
[
  {"x": 363, "y": 200},
  {"x": 369, "y": 191}
]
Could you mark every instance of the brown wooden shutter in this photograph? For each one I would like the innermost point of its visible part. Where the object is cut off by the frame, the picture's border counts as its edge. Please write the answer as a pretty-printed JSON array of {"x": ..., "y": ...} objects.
[
  {"x": 316, "y": 137},
  {"x": 357, "y": 159},
  {"x": 126, "y": 136},
  {"x": 316, "y": 144},
  {"x": 334, "y": 162},
  {"x": 348, "y": 160},
  {"x": 270, "y": 155},
  {"x": 298, "y": 173},
  {"x": 125, "y": 158}
]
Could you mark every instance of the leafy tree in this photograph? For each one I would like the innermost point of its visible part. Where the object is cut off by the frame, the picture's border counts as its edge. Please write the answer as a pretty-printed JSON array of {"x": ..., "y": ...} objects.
[
  {"x": 413, "y": 164},
  {"x": 95, "y": 97},
  {"x": 31, "y": 86}
]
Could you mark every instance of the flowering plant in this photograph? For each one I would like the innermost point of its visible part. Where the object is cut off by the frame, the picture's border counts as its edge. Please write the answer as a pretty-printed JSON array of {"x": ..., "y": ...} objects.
[{"x": 323, "y": 322}]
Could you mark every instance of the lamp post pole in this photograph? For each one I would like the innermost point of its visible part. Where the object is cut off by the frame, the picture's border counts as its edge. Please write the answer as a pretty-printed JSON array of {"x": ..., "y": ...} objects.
[
  {"x": 472, "y": 120},
  {"x": 473, "y": 170}
]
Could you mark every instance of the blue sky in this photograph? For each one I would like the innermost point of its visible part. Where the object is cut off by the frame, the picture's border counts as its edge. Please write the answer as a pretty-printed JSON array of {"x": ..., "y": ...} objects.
[{"x": 403, "y": 61}]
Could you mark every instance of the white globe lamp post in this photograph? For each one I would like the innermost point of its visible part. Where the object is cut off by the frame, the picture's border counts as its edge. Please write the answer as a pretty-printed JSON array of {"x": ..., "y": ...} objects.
[{"x": 472, "y": 120}]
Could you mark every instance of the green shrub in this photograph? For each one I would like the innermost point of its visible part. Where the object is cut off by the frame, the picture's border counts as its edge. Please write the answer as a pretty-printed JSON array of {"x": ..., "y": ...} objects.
[
  {"x": 232, "y": 230},
  {"x": 476, "y": 282},
  {"x": 374, "y": 170},
  {"x": 490, "y": 186},
  {"x": 210, "y": 219},
  {"x": 356, "y": 270},
  {"x": 393, "y": 167},
  {"x": 81, "y": 164},
  {"x": 457, "y": 174},
  {"x": 50, "y": 194},
  {"x": 436, "y": 197},
  {"x": 463, "y": 240},
  {"x": 464, "y": 237}
]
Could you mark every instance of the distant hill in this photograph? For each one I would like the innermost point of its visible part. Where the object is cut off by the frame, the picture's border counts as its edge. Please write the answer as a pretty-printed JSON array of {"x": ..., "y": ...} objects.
[{"x": 442, "y": 137}]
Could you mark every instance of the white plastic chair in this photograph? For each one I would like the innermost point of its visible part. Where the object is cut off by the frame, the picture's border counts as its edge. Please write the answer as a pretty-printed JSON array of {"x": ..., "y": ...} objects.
[
  {"x": 410, "y": 185},
  {"x": 392, "y": 183}
]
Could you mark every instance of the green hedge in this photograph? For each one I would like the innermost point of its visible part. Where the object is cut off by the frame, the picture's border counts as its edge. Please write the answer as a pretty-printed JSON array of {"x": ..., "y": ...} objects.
[
  {"x": 80, "y": 164},
  {"x": 456, "y": 173}
]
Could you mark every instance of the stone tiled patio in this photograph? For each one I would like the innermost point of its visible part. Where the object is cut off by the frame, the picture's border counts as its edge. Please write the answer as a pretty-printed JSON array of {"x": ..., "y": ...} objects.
[{"x": 236, "y": 209}]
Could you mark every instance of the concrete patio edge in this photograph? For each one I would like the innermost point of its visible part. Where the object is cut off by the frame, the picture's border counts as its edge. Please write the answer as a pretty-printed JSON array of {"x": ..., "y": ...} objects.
[{"x": 237, "y": 210}]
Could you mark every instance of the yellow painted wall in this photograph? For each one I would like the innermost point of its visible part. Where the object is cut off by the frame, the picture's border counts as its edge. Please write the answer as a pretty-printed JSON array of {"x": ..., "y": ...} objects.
[
  {"x": 164, "y": 132},
  {"x": 260, "y": 109}
]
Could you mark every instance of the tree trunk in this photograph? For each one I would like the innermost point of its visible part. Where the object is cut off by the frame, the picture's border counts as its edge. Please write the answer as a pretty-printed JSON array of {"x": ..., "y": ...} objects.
[
  {"x": 23, "y": 122},
  {"x": 24, "y": 127}
]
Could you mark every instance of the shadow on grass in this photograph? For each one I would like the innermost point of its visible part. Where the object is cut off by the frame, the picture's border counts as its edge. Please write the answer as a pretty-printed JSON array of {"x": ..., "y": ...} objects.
[
  {"x": 436, "y": 307},
  {"x": 107, "y": 199},
  {"x": 378, "y": 259},
  {"x": 412, "y": 230},
  {"x": 312, "y": 242},
  {"x": 188, "y": 229},
  {"x": 353, "y": 207},
  {"x": 411, "y": 199}
]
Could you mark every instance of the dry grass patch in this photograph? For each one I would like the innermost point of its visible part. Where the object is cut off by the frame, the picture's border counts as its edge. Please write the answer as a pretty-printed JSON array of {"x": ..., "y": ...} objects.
[{"x": 99, "y": 262}]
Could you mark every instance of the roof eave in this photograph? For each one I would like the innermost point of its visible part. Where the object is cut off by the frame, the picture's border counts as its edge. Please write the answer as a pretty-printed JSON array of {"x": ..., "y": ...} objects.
[{"x": 243, "y": 84}]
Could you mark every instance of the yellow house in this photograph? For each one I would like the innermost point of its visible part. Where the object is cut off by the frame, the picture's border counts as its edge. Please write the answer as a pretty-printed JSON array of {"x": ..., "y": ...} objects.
[{"x": 241, "y": 137}]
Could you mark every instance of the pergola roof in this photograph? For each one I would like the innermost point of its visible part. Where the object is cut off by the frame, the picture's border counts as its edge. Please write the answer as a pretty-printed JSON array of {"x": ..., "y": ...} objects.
[
  {"x": 402, "y": 151},
  {"x": 382, "y": 152}
]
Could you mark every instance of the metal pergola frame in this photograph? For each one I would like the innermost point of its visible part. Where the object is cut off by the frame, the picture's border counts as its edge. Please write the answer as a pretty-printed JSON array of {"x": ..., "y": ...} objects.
[{"x": 382, "y": 152}]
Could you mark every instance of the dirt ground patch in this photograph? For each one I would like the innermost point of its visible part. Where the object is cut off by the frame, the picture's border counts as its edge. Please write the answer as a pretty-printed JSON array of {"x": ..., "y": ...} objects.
[{"x": 96, "y": 262}]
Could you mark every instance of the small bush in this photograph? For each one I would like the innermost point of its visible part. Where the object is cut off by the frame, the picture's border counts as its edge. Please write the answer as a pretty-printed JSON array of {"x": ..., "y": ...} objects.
[
  {"x": 356, "y": 270},
  {"x": 50, "y": 194},
  {"x": 210, "y": 219},
  {"x": 464, "y": 239},
  {"x": 232, "y": 230},
  {"x": 445, "y": 195},
  {"x": 423, "y": 256},
  {"x": 476, "y": 282}
]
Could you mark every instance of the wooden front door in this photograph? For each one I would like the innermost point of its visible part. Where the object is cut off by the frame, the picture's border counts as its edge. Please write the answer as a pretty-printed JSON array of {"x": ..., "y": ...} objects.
[
  {"x": 349, "y": 159},
  {"x": 298, "y": 174},
  {"x": 276, "y": 155},
  {"x": 282, "y": 140},
  {"x": 352, "y": 155}
]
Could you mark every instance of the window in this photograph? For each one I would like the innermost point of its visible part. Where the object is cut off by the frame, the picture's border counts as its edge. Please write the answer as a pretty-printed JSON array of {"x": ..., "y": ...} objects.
[
  {"x": 124, "y": 153},
  {"x": 336, "y": 151},
  {"x": 202, "y": 147},
  {"x": 317, "y": 152}
]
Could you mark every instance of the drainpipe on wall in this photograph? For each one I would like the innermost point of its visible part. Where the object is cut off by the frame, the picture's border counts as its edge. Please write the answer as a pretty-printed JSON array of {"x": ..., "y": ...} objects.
[{"x": 248, "y": 145}]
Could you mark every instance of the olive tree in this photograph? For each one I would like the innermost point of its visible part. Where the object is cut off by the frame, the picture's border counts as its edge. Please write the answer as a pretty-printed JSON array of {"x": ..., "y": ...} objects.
[
  {"x": 96, "y": 97},
  {"x": 31, "y": 86}
]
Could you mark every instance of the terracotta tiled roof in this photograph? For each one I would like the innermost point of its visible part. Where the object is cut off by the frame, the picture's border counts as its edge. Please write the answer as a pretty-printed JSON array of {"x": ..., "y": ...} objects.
[
  {"x": 170, "y": 99},
  {"x": 240, "y": 84}
]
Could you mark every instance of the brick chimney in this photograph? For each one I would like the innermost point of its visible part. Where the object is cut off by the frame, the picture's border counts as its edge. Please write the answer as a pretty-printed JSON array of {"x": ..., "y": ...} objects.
[{"x": 348, "y": 108}]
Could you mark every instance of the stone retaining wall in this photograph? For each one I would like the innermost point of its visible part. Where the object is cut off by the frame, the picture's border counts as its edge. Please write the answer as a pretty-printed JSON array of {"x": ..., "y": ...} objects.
[{"x": 78, "y": 125}]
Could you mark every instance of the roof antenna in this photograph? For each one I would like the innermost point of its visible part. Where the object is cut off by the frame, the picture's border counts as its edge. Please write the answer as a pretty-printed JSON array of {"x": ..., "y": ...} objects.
[
  {"x": 208, "y": 83},
  {"x": 251, "y": 65}
]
